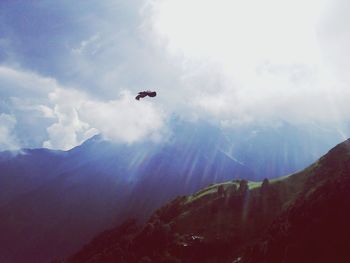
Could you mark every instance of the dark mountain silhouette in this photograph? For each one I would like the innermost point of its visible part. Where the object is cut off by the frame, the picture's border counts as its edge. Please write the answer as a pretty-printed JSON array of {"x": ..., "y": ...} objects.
[
  {"x": 24, "y": 171},
  {"x": 315, "y": 228},
  {"x": 303, "y": 217},
  {"x": 52, "y": 202}
]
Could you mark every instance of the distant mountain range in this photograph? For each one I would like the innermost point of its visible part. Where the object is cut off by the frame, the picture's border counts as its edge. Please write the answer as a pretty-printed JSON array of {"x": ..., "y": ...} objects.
[
  {"x": 300, "y": 218},
  {"x": 52, "y": 202}
]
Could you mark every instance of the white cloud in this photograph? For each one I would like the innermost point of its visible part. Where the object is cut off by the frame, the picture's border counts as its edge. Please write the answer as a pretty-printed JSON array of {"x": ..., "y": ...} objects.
[
  {"x": 46, "y": 111},
  {"x": 19, "y": 82},
  {"x": 70, "y": 116},
  {"x": 86, "y": 44},
  {"x": 334, "y": 37},
  {"x": 125, "y": 119},
  {"x": 278, "y": 96},
  {"x": 243, "y": 30},
  {"x": 252, "y": 61},
  {"x": 24, "y": 95},
  {"x": 230, "y": 61},
  {"x": 80, "y": 117},
  {"x": 69, "y": 130},
  {"x": 8, "y": 140}
]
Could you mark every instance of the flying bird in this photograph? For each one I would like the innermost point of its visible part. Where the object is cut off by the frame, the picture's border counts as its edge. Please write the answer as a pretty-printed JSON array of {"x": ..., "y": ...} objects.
[{"x": 148, "y": 93}]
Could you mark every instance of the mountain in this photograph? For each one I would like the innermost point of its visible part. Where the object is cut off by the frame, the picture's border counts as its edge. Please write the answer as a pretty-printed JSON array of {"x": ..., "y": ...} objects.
[
  {"x": 273, "y": 151},
  {"x": 56, "y": 201},
  {"x": 24, "y": 171},
  {"x": 303, "y": 217},
  {"x": 316, "y": 227},
  {"x": 52, "y": 202}
]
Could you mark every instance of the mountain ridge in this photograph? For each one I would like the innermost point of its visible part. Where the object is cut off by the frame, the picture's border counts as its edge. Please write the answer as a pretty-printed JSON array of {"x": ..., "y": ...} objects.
[
  {"x": 294, "y": 227},
  {"x": 69, "y": 197}
]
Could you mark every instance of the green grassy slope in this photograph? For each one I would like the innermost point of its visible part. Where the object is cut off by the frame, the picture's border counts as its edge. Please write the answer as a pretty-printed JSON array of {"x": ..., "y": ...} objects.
[
  {"x": 220, "y": 219},
  {"x": 296, "y": 218}
]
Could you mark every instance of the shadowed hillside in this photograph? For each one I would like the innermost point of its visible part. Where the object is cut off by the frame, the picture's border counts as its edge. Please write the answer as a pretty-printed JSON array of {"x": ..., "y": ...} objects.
[
  {"x": 52, "y": 202},
  {"x": 315, "y": 228},
  {"x": 298, "y": 218}
]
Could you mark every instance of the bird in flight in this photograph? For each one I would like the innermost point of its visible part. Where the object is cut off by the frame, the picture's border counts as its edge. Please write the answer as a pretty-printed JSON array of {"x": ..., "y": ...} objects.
[{"x": 148, "y": 93}]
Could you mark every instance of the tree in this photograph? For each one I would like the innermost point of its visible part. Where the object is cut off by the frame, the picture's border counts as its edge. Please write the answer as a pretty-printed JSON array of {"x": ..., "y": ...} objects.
[
  {"x": 221, "y": 191},
  {"x": 243, "y": 186},
  {"x": 265, "y": 186}
]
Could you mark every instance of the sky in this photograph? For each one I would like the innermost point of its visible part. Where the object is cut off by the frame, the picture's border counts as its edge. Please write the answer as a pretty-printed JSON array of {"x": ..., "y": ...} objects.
[{"x": 70, "y": 71}]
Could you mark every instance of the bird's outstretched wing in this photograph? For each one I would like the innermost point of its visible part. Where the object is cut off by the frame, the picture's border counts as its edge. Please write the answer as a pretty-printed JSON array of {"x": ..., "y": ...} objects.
[
  {"x": 152, "y": 94},
  {"x": 143, "y": 94}
]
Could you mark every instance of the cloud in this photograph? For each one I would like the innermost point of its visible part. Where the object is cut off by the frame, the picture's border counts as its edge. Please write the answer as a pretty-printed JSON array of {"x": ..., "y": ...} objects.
[
  {"x": 21, "y": 83},
  {"x": 253, "y": 61},
  {"x": 334, "y": 37},
  {"x": 230, "y": 62},
  {"x": 62, "y": 117},
  {"x": 8, "y": 140},
  {"x": 298, "y": 95},
  {"x": 69, "y": 130},
  {"x": 123, "y": 120},
  {"x": 23, "y": 95}
]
